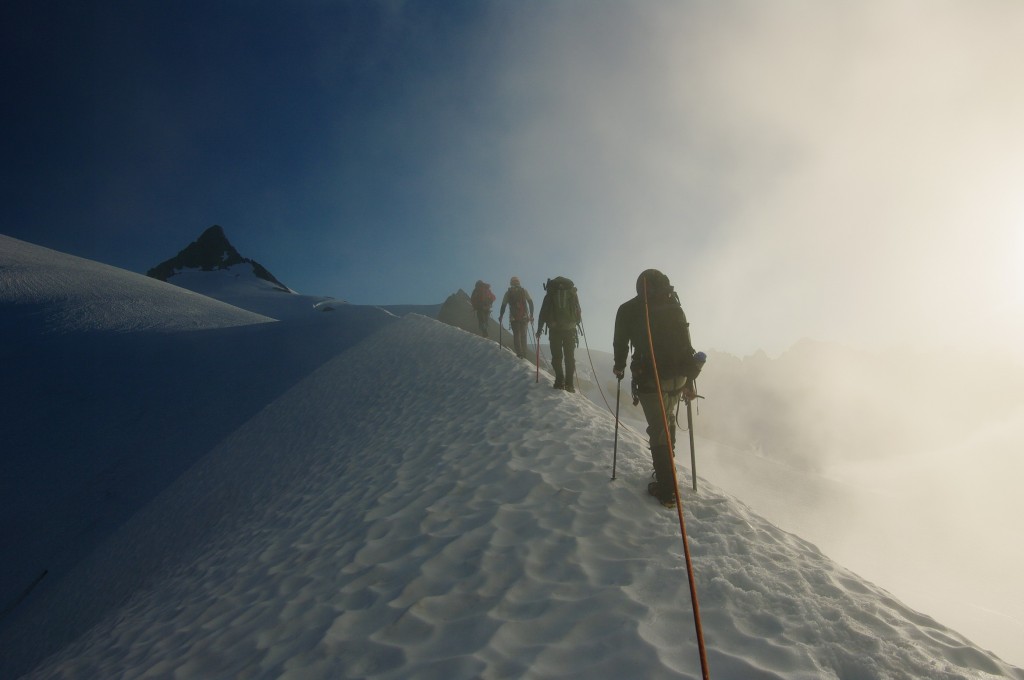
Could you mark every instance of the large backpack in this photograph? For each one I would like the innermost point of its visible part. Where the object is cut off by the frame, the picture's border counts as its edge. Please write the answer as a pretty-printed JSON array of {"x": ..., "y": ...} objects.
[
  {"x": 517, "y": 304},
  {"x": 563, "y": 304},
  {"x": 670, "y": 332},
  {"x": 482, "y": 297}
]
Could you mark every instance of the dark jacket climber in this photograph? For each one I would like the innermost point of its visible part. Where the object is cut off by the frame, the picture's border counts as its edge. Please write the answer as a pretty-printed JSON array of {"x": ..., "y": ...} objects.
[
  {"x": 560, "y": 312},
  {"x": 657, "y": 306}
]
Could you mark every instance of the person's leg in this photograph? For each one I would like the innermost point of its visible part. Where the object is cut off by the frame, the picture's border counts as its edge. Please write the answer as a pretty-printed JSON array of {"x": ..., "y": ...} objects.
[
  {"x": 519, "y": 338},
  {"x": 569, "y": 352},
  {"x": 660, "y": 456},
  {"x": 651, "y": 405},
  {"x": 556, "y": 358}
]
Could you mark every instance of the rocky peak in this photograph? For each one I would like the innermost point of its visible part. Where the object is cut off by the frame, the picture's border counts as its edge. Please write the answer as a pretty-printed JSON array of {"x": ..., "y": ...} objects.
[{"x": 209, "y": 252}]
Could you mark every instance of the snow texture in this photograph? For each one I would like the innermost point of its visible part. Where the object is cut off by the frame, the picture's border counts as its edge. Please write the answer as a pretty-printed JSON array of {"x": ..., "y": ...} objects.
[
  {"x": 43, "y": 291},
  {"x": 417, "y": 506}
]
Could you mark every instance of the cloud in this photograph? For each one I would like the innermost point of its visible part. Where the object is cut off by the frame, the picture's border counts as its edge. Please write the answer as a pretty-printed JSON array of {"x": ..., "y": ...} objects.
[{"x": 843, "y": 171}]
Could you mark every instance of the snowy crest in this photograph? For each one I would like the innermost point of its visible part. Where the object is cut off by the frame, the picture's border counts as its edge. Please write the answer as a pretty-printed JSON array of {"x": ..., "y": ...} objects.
[
  {"x": 476, "y": 536},
  {"x": 382, "y": 497}
]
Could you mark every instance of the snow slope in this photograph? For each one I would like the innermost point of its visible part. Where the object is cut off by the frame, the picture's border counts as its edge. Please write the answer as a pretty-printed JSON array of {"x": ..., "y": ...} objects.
[
  {"x": 43, "y": 291},
  {"x": 240, "y": 287},
  {"x": 931, "y": 514},
  {"x": 114, "y": 385},
  {"x": 416, "y": 506}
]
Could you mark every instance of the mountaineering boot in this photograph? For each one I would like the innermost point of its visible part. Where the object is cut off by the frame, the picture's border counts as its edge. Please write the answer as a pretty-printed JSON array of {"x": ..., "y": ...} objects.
[
  {"x": 558, "y": 385},
  {"x": 655, "y": 490},
  {"x": 665, "y": 487}
]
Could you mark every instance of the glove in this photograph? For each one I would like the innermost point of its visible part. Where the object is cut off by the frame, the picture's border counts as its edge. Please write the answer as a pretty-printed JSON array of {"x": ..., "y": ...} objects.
[
  {"x": 688, "y": 393},
  {"x": 538, "y": 335},
  {"x": 619, "y": 372}
]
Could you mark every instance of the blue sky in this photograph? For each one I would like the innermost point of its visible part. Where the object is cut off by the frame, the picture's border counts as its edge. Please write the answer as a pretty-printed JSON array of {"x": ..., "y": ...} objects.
[
  {"x": 845, "y": 171},
  {"x": 306, "y": 132}
]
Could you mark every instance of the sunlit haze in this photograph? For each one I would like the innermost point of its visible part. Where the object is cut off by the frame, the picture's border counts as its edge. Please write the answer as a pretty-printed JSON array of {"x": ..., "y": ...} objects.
[
  {"x": 848, "y": 173},
  {"x": 842, "y": 171}
]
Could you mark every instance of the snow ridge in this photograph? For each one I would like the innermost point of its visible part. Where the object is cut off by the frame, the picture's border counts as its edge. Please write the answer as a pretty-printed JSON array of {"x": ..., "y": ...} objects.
[
  {"x": 43, "y": 291},
  {"x": 444, "y": 516}
]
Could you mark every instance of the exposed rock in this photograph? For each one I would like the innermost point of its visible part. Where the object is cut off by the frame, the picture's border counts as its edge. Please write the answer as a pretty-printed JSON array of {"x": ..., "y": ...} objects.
[{"x": 209, "y": 252}]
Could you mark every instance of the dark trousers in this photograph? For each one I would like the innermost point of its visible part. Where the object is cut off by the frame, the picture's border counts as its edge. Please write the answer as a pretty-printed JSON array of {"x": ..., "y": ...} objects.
[
  {"x": 563, "y": 349},
  {"x": 519, "y": 336},
  {"x": 659, "y": 439},
  {"x": 483, "y": 316}
]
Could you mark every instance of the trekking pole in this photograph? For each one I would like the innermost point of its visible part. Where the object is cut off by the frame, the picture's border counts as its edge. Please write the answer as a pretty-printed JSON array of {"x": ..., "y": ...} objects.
[
  {"x": 689, "y": 429},
  {"x": 501, "y": 342},
  {"x": 536, "y": 340},
  {"x": 701, "y": 358},
  {"x": 615, "y": 446}
]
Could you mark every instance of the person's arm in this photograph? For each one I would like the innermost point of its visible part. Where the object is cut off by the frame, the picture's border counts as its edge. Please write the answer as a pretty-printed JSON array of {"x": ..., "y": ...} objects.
[{"x": 543, "y": 316}]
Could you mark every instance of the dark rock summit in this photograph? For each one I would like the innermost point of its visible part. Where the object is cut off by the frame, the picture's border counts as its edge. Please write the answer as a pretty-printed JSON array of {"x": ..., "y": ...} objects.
[{"x": 209, "y": 252}]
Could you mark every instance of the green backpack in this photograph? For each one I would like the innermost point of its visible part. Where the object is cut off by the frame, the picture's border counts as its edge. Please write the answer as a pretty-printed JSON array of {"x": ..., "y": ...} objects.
[{"x": 563, "y": 304}]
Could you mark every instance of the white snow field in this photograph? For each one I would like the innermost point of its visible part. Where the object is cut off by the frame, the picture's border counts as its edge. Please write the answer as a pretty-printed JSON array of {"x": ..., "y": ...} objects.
[
  {"x": 55, "y": 292},
  {"x": 415, "y": 505}
]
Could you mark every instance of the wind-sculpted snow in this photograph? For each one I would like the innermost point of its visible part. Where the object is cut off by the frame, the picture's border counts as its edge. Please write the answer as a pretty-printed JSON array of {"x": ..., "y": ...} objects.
[
  {"x": 419, "y": 507},
  {"x": 114, "y": 384},
  {"x": 43, "y": 291}
]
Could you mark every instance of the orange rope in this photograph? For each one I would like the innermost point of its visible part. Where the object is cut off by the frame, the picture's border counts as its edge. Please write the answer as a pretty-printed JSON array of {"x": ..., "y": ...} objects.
[{"x": 679, "y": 502}]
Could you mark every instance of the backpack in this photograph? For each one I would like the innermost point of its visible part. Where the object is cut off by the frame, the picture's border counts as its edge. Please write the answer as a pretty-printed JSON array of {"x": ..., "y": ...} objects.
[
  {"x": 670, "y": 332},
  {"x": 563, "y": 304},
  {"x": 517, "y": 304},
  {"x": 482, "y": 297}
]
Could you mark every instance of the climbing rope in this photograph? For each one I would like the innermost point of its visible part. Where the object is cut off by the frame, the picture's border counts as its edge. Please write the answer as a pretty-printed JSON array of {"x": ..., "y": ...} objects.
[
  {"x": 597, "y": 380},
  {"x": 679, "y": 503}
]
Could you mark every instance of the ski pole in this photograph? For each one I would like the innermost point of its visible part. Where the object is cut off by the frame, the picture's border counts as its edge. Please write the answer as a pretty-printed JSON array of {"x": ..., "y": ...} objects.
[
  {"x": 501, "y": 342},
  {"x": 615, "y": 446}
]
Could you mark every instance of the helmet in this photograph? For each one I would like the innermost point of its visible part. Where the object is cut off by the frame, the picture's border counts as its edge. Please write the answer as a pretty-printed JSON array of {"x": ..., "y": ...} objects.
[{"x": 655, "y": 281}]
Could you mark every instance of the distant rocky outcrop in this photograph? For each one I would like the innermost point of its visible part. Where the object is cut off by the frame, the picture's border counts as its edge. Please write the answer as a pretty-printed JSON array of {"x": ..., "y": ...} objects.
[
  {"x": 458, "y": 311},
  {"x": 209, "y": 252}
]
